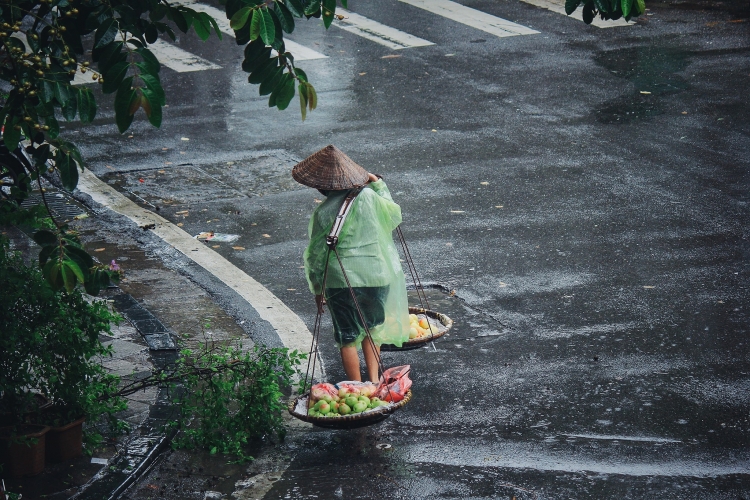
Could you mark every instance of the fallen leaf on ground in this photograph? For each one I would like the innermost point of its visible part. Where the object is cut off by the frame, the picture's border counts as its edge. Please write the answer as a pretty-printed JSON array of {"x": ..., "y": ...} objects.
[
  {"x": 434, "y": 130},
  {"x": 184, "y": 139},
  {"x": 363, "y": 74},
  {"x": 684, "y": 112},
  {"x": 167, "y": 162},
  {"x": 499, "y": 206},
  {"x": 239, "y": 248},
  {"x": 648, "y": 286},
  {"x": 484, "y": 183},
  {"x": 141, "y": 180},
  {"x": 162, "y": 171},
  {"x": 110, "y": 167},
  {"x": 81, "y": 216},
  {"x": 99, "y": 249},
  {"x": 180, "y": 224},
  {"x": 457, "y": 211},
  {"x": 645, "y": 92},
  {"x": 181, "y": 212},
  {"x": 391, "y": 56},
  {"x": 292, "y": 289},
  {"x": 215, "y": 246},
  {"x": 266, "y": 235},
  {"x": 165, "y": 149},
  {"x": 318, "y": 201}
]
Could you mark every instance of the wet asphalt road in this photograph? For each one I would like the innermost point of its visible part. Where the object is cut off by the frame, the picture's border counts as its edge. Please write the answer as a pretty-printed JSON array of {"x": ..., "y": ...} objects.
[{"x": 595, "y": 237}]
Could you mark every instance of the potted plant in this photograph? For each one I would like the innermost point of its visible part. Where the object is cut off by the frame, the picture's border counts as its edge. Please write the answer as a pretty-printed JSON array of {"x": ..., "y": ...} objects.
[
  {"x": 22, "y": 449},
  {"x": 51, "y": 347}
]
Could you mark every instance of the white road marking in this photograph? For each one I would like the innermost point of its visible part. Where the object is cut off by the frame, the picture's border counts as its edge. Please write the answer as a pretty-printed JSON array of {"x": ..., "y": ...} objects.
[
  {"x": 300, "y": 52},
  {"x": 179, "y": 60},
  {"x": 379, "y": 33},
  {"x": 472, "y": 17},
  {"x": 559, "y": 7},
  {"x": 290, "y": 328}
]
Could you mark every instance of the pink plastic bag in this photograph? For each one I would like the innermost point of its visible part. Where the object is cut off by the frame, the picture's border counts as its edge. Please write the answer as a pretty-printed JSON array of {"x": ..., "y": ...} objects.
[
  {"x": 394, "y": 384},
  {"x": 319, "y": 390}
]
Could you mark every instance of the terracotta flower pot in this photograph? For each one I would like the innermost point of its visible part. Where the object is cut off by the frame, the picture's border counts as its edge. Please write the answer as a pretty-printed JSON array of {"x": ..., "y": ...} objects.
[
  {"x": 65, "y": 442},
  {"x": 20, "y": 458}
]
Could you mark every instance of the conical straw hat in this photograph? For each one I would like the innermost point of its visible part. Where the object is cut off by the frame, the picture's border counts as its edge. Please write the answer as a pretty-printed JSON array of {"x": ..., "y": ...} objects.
[{"x": 331, "y": 170}]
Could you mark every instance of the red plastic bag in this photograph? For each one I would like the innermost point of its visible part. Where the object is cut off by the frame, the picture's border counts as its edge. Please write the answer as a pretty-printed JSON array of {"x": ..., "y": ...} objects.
[
  {"x": 319, "y": 390},
  {"x": 394, "y": 384}
]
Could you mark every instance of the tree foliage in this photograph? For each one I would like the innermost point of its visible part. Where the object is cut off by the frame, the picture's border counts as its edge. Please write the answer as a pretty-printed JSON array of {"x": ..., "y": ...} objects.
[
  {"x": 43, "y": 49},
  {"x": 607, "y": 9}
]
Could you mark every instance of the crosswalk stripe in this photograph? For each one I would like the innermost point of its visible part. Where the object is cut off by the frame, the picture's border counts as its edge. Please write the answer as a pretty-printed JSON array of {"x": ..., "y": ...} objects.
[
  {"x": 379, "y": 33},
  {"x": 300, "y": 52},
  {"x": 578, "y": 14},
  {"x": 472, "y": 17},
  {"x": 179, "y": 60}
]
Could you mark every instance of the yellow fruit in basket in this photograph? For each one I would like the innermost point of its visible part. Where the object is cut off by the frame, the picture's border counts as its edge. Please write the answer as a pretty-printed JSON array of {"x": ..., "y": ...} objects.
[
  {"x": 413, "y": 333},
  {"x": 413, "y": 318},
  {"x": 344, "y": 409},
  {"x": 424, "y": 323}
]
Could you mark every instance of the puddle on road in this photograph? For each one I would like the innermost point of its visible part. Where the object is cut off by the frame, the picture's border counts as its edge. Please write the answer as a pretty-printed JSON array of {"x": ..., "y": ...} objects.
[{"x": 651, "y": 69}]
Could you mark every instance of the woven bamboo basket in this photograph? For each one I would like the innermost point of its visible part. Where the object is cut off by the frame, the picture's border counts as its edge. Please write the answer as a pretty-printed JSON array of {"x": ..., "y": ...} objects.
[
  {"x": 445, "y": 325},
  {"x": 351, "y": 421}
]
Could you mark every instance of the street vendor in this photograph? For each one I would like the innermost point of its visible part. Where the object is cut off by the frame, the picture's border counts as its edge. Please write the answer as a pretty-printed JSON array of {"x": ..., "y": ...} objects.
[{"x": 368, "y": 256}]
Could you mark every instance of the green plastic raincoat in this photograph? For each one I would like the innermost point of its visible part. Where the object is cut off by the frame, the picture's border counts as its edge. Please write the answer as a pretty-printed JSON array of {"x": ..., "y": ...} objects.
[{"x": 369, "y": 258}]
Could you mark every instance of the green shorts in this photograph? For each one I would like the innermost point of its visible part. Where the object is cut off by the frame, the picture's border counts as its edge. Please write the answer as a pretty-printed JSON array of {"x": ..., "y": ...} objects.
[{"x": 347, "y": 323}]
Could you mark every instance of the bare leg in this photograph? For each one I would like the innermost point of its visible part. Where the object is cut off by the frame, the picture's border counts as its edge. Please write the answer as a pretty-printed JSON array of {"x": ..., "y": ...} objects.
[
  {"x": 372, "y": 354},
  {"x": 350, "y": 360}
]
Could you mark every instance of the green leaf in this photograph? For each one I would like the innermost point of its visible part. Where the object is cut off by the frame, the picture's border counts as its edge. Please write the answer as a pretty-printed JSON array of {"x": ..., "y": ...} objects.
[
  {"x": 640, "y": 6},
  {"x": 70, "y": 109},
  {"x": 267, "y": 29},
  {"x": 106, "y": 33},
  {"x": 80, "y": 256},
  {"x": 302, "y": 100},
  {"x": 73, "y": 265},
  {"x": 285, "y": 16},
  {"x": 269, "y": 83},
  {"x": 202, "y": 25},
  {"x": 114, "y": 77},
  {"x": 45, "y": 254},
  {"x": 572, "y": 5},
  {"x": 625, "y": 5},
  {"x": 124, "y": 100},
  {"x": 154, "y": 85},
  {"x": 239, "y": 19},
  {"x": 54, "y": 126},
  {"x": 255, "y": 25},
  {"x": 588, "y": 11},
  {"x": 300, "y": 74},
  {"x": 329, "y": 9},
  {"x": 67, "y": 168},
  {"x": 256, "y": 53},
  {"x": 149, "y": 59},
  {"x": 11, "y": 136},
  {"x": 51, "y": 273},
  {"x": 154, "y": 111},
  {"x": 44, "y": 238},
  {"x": 295, "y": 7},
  {"x": 312, "y": 97},
  {"x": 260, "y": 73},
  {"x": 86, "y": 105},
  {"x": 285, "y": 92},
  {"x": 61, "y": 92},
  {"x": 213, "y": 23},
  {"x": 47, "y": 91},
  {"x": 68, "y": 270}
]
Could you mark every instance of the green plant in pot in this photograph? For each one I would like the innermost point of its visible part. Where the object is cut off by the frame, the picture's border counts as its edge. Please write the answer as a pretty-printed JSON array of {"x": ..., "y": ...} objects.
[{"x": 50, "y": 346}]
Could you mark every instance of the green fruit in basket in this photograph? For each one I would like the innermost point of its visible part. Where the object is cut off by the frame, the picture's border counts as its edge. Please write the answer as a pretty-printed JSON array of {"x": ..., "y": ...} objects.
[
  {"x": 375, "y": 402},
  {"x": 343, "y": 392},
  {"x": 359, "y": 407},
  {"x": 324, "y": 409},
  {"x": 312, "y": 412},
  {"x": 344, "y": 409},
  {"x": 365, "y": 399},
  {"x": 317, "y": 405},
  {"x": 326, "y": 398},
  {"x": 351, "y": 401}
]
